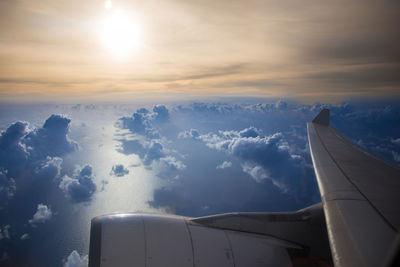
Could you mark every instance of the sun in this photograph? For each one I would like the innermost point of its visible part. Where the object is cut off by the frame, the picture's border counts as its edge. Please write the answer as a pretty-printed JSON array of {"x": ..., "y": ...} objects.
[
  {"x": 120, "y": 34},
  {"x": 108, "y": 4}
]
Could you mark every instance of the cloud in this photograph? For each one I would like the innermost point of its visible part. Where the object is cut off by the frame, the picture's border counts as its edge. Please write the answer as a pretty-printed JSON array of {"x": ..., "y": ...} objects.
[
  {"x": 49, "y": 168},
  {"x": 154, "y": 152},
  {"x": 148, "y": 151},
  {"x": 267, "y": 142},
  {"x": 209, "y": 108},
  {"x": 80, "y": 187},
  {"x": 224, "y": 165},
  {"x": 152, "y": 149},
  {"x": 396, "y": 156},
  {"x": 141, "y": 122},
  {"x": 13, "y": 134},
  {"x": 7, "y": 187},
  {"x": 262, "y": 157},
  {"x": 13, "y": 153},
  {"x": 161, "y": 113},
  {"x": 42, "y": 215},
  {"x": 21, "y": 148},
  {"x": 259, "y": 173},
  {"x": 192, "y": 133},
  {"x": 25, "y": 236},
  {"x": 119, "y": 170},
  {"x": 90, "y": 107},
  {"x": 132, "y": 147},
  {"x": 281, "y": 105},
  {"x": 75, "y": 260},
  {"x": 250, "y": 132},
  {"x": 4, "y": 233},
  {"x": 51, "y": 139},
  {"x": 76, "y": 107},
  {"x": 170, "y": 163},
  {"x": 395, "y": 141},
  {"x": 270, "y": 167}
]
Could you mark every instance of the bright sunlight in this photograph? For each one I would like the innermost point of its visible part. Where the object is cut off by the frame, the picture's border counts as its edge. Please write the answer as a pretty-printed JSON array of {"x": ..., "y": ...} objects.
[{"x": 120, "y": 33}]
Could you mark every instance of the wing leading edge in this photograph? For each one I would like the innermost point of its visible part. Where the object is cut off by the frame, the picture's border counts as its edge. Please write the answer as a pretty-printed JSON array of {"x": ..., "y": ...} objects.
[{"x": 360, "y": 195}]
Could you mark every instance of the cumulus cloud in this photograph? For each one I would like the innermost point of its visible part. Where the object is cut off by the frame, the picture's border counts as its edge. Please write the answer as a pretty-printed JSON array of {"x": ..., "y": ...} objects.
[
  {"x": 13, "y": 153},
  {"x": 148, "y": 151},
  {"x": 22, "y": 148},
  {"x": 132, "y": 147},
  {"x": 49, "y": 168},
  {"x": 140, "y": 123},
  {"x": 262, "y": 157},
  {"x": 170, "y": 163},
  {"x": 42, "y": 214},
  {"x": 148, "y": 143},
  {"x": 51, "y": 139},
  {"x": 80, "y": 187},
  {"x": 75, "y": 260},
  {"x": 224, "y": 165},
  {"x": 119, "y": 170},
  {"x": 154, "y": 151},
  {"x": 192, "y": 133},
  {"x": 7, "y": 187},
  {"x": 161, "y": 113},
  {"x": 250, "y": 132}
]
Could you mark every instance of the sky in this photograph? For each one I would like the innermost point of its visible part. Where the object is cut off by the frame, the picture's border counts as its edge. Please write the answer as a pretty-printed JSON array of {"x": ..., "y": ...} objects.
[
  {"x": 326, "y": 51},
  {"x": 181, "y": 107}
]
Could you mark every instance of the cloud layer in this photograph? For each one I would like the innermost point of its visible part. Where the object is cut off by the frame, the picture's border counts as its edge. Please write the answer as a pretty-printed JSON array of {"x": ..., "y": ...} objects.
[
  {"x": 191, "y": 158},
  {"x": 263, "y": 151}
]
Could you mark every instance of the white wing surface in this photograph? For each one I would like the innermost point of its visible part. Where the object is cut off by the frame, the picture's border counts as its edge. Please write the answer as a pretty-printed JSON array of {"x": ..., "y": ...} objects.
[{"x": 360, "y": 196}]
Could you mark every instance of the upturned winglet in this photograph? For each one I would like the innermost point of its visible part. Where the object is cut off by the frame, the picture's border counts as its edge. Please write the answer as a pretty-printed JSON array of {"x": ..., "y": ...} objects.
[{"x": 322, "y": 117}]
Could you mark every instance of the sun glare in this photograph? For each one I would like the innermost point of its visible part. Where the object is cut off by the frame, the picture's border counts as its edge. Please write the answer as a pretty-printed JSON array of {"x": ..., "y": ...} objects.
[
  {"x": 120, "y": 33},
  {"x": 108, "y": 4}
]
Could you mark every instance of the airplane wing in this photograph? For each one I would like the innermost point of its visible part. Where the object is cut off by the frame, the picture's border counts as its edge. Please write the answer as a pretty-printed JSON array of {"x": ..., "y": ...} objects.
[{"x": 360, "y": 196}]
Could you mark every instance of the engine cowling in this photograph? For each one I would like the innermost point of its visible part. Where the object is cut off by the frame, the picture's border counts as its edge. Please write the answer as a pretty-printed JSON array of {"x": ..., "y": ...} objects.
[{"x": 165, "y": 240}]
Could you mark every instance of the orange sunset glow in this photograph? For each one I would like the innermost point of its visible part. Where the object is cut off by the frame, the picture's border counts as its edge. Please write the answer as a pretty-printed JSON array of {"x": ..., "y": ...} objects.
[{"x": 127, "y": 49}]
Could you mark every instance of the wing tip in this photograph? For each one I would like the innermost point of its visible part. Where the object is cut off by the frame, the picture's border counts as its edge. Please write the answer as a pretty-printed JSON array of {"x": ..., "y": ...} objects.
[{"x": 322, "y": 117}]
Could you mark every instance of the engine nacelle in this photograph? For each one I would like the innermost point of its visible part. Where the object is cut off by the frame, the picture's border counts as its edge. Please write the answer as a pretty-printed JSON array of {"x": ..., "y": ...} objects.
[{"x": 164, "y": 240}]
